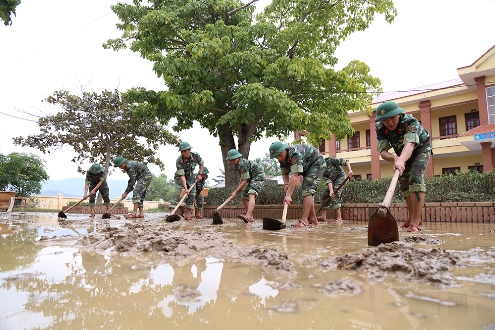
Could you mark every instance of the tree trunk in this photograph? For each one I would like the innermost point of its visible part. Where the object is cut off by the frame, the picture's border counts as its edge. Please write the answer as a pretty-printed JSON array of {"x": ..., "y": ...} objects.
[{"x": 227, "y": 143}]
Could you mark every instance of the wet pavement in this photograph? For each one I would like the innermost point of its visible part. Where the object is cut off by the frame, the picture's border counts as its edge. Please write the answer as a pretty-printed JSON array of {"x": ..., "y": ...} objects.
[{"x": 135, "y": 274}]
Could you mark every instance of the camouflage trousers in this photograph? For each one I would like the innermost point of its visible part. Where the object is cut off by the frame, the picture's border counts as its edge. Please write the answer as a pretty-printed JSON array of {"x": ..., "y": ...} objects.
[
  {"x": 200, "y": 201},
  {"x": 104, "y": 192},
  {"x": 177, "y": 190},
  {"x": 413, "y": 177},
  {"x": 312, "y": 177},
  {"x": 139, "y": 192},
  {"x": 252, "y": 188},
  {"x": 335, "y": 201}
]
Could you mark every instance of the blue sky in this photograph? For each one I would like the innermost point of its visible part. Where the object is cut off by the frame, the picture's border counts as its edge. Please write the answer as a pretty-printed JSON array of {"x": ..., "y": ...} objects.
[{"x": 56, "y": 44}]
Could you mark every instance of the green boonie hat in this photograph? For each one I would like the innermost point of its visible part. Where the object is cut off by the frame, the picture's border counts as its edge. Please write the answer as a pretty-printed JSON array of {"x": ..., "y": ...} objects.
[
  {"x": 205, "y": 170},
  {"x": 387, "y": 109},
  {"x": 184, "y": 146},
  {"x": 95, "y": 168},
  {"x": 233, "y": 154},
  {"x": 119, "y": 161},
  {"x": 276, "y": 149}
]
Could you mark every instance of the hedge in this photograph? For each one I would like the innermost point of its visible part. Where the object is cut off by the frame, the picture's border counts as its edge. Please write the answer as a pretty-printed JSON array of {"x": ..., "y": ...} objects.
[{"x": 462, "y": 187}]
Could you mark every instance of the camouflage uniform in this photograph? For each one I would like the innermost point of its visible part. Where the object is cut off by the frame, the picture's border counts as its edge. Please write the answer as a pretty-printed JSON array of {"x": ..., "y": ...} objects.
[
  {"x": 408, "y": 130},
  {"x": 254, "y": 175},
  {"x": 335, "y": 174},
  {"x": 186, "y": 168},
  {"x": 92, "y": 180},
  {"x": 140, "y": 175},
  {"x": 307, "y": 161},
  {"x": 199, "y": 198}
]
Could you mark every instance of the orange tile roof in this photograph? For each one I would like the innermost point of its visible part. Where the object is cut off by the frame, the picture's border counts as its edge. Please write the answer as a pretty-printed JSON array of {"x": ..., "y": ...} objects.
[{"x": 480, "y": 130}]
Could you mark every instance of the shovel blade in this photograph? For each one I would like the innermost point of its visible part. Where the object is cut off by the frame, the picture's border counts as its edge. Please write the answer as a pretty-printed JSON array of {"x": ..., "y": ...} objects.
[
  {"x": 172, "y": 218},
  {"x": 62, "y": 215},
  {"x": 273, "y": 224},
  {"x": 382, "y": 228}
]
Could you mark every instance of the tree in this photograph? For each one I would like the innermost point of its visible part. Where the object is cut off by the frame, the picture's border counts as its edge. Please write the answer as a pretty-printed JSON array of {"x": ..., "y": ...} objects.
[
  {"x": 99, "y": 127},
  {"x": 241, "y": 76},
  {"x": 7, "y": 8},
  {"x": 160, "y": 188},
  {"x": 23, "y": 173},
  {"x": 270, "y": 166}
]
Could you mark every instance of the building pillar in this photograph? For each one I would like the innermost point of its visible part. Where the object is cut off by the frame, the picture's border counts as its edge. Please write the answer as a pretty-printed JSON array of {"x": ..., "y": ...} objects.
[
  {"x": 375, "y": 156},
  {"x": 425, "y": 111},
  {"x": 487, "y": 156},
  {"x": 332, "y": 148},
  {"x": 482, "y": 108}
]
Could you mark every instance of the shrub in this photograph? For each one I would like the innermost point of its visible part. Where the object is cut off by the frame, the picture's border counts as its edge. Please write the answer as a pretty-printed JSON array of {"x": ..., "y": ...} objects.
[{"x": 463, "y": 187}]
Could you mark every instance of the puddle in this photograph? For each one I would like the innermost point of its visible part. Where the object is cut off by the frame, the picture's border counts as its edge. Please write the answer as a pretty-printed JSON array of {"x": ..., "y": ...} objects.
[{"x": 120, "y": 273}]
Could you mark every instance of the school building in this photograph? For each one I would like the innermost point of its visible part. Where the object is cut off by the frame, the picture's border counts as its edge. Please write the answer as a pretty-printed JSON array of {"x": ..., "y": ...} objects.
[{"x": 459, "y": 115}]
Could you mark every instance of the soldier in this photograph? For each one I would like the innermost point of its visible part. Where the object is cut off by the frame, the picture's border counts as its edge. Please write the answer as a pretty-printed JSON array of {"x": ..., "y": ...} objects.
[
  {"x": 140, "y": 175},
  {"x": 252, "y": 180},
  {"x": 184, "y": 177},
  {"x": 334, "y": 175},
  {"x": 300, "y": 160},
  {"x": 96, "y": 181},
  {"x": 412, "y": 147},
  {"x": 199, "y": 198}
]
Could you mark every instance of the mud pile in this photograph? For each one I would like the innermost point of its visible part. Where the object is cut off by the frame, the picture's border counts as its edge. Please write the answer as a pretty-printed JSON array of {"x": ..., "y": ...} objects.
[{"x": 400, "y": 260}]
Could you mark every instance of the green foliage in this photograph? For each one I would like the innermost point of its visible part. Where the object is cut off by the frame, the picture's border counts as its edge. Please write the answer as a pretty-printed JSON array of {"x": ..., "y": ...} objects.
[
  {"x": 99, "y": 127},
  {"x": 160, "y": 188},
  {"x": 23, "y": 173},
  {"x": 270, "y": 166},
  {"x": 7, "y": 9},
  {"x": 243, "y": 77},
  {"x": 463, "y": 187}
]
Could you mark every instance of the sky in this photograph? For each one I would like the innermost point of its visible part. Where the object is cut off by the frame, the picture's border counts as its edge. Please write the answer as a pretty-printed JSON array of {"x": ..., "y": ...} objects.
[{"x": 57, "y": 44}]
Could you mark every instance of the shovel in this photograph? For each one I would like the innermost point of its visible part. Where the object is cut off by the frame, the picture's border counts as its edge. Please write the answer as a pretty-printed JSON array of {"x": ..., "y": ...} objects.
[
  {"x": 107, "y": 214},
  {"x": 330, "y": 198},
  {"x": 174, "y": 217},
  {"x": 62, "y": 214},
  {"x": 217, "y": 219},
  {"x": 274, "y": 224},
  {"x": 382, "y": 227}
]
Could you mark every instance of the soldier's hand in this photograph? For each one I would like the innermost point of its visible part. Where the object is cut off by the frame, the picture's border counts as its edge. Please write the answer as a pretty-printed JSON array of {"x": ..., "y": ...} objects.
[{"x": 288, "y": 200}]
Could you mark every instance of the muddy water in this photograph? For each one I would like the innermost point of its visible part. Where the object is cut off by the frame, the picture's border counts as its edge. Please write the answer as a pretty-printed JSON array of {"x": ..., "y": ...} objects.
[{"x": 119, "y": 274}]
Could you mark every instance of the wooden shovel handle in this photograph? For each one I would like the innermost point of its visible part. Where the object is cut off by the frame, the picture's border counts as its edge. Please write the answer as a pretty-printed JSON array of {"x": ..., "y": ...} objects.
[
  {"x": 115, "y": 205},
  {"x": 335, "y": 192},
  {"x": 183, "y": 198},
  {"x": 391, "y": 190},
  {"x": 76, "y": 204},
  {"x": 224, "y": 203},
  {"x": 284, "y": 213}
]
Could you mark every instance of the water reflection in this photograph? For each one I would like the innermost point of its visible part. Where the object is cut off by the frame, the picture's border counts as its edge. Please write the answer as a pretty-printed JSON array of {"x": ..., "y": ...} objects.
[{"x": 64, "y": 286}]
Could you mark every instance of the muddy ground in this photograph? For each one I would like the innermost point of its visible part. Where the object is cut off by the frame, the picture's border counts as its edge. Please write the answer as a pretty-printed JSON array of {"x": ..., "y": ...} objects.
[{"x": 405, "y": 260}]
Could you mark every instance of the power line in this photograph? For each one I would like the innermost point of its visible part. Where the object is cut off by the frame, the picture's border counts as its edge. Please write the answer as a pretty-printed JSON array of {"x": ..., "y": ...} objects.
[{"x": 6, "y": 114}]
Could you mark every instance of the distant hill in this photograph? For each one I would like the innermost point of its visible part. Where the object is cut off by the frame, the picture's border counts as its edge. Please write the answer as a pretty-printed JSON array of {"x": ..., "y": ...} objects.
[{"x": 74, "y": 187}]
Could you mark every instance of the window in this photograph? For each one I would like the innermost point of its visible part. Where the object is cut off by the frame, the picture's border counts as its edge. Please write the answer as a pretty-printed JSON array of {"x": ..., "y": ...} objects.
[
  {"x": 472, "y": 120},
  {"x": 476, "y": 168},
  {"x": 448, "y": 127},
  {"x": 490, "y": 104},
  {"x": 353, "y": 142},
  {"x": 321, "y": 148},
  {"x": 337, "y": 145},
  {"x": 357, "y": 177},
  {"x": 368, "y": 177},
  {"x": 450, "y": 170},
  {"x": 368, "y": 139}
]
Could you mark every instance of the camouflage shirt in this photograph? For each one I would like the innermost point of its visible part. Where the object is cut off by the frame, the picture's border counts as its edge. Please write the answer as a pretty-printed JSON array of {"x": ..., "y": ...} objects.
[
  {"x": 92, "y": 179},
  {"x": 408, "y": 130},
  {"x": 333, "y": 169},
  {"x": 186, "y": 167},
  {"x": 200, "y": 185},
  {"x": 249, "y": 170},
  {"x": 300, "y": 157},
  {"x": 136, "y": 171}
]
